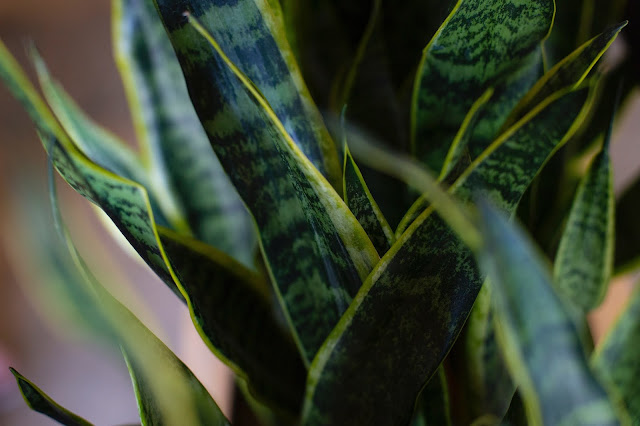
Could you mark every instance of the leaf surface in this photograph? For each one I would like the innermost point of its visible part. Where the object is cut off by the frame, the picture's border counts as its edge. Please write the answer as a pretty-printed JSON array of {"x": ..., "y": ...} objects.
[
  {"x": 481, "y": 44},
  {"x": 542, "y": 345},
  {"x": 316, "y": 251},
  {"x": 413, "y": 305},
  {"x": 175, "y": 148},
  {"x": 364, "y": 207},
  {"x": 584, "y": 261},
  {"x": 39, "y": 401}
]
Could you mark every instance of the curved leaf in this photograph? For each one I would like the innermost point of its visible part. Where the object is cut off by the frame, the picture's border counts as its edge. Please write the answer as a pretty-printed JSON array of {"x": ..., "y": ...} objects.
[
  {"x": 235, "y": 319},
  {"x": 413, "y": 305},
  {"x": 251, "y": 34},
  {"x": 364, "y": 207},
  {"x": 42, "y": 403},
  {"x": 175, "y": 147},
  {"x": 542, "y": 347},
  {"x": 569, "y": 72},
  {"x": 481, "y": 44},
  {"x": 315, "y": 250},
  {"x": 616, "y": 359},
  {"x": 584, "y": 261}
]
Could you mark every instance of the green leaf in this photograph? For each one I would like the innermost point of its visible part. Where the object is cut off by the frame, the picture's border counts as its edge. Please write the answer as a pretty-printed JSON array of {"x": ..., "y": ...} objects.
[
  {"x": 570, "y": 72},
  {"x": 432, "y": 407},
  {"x": 39, "y": 401},
  {"x": 251, "y": 34},
  {"x": 481, "y": 44},
  {"x": 315, "y": 250},
  {"x": 413, "y": 305},
  {"x": 126, "y": 203},
  {"x": 584, "y": 261},
  {"x": 364, "y": 207},
  {"x": 176, "y": 150},
  {"x": 542, "y": 347},
  {"x": 616, "y": 359},
  {"x": 235, "y": 319}
]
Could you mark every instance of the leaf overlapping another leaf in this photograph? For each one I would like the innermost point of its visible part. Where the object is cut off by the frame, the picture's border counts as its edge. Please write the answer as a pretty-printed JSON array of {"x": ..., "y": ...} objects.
[{"x": 413, "y": 305}]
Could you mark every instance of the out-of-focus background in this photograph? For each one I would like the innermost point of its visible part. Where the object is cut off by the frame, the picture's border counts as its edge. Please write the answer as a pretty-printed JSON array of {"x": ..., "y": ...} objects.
[{"x": 74, "y": 38}]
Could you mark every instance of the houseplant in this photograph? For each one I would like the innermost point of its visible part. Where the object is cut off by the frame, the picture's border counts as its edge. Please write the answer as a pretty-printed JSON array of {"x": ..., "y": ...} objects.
[{"x": 330, "y": 307}]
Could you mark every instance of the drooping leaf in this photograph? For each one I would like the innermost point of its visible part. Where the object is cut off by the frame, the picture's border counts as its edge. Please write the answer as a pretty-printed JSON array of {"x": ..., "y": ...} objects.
[
  {"x": 39, "y": 401},
  {"x": 315, "y": 250},
  {"x": 569, "y": 72},
  {"x": 364, "y": 207},
  {"x": 481, "y": 44},
  {"x": 413, "y": 305},
  {"x": 542, "y": 346},
  {"x": 234, "y": 317},
  {"x": 616, "y": 359},
  {"x": 251, "y": 34},
  {"x": 175, "y": 147},
  {"x": 584, "y": 261}
]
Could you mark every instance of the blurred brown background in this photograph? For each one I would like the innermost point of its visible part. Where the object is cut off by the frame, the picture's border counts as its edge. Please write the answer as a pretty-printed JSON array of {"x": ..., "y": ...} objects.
[{"x": 74, "y": 38}]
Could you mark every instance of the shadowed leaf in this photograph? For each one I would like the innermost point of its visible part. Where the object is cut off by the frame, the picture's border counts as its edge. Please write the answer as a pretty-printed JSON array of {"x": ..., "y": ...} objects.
[
  {"x": 413, "y": 305},
  {"x": 541, "y": 344}
]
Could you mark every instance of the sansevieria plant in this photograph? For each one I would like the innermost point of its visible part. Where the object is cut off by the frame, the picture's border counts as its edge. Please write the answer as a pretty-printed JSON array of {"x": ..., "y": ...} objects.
[{"x": 377, "y": 213}]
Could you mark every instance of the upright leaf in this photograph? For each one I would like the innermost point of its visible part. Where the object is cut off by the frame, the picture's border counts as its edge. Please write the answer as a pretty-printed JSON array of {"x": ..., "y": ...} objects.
[
  {"x": 616, "y": 359},
  {"x": 39, "y": 401},
  {"x": 569, "y": 72},
  {"x": 251, "y": 34},
  {"x": 584, "y": 261},
  {"x": 627, "y": 251},
  {"x": 542, "y": 346},
  {"x": 413, "y": 305},
  {"x": 316, "y": 251},
  {"x": 364, "y": 207},
  {"x": 175, "y": 147},
  {"x": 481, "y": 44}
]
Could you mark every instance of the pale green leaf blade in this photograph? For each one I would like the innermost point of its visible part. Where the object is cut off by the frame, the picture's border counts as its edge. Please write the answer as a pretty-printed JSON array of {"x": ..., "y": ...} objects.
[
  {"x": 541, "y": 343},
  {"x": 235, "y": 319},
  {"x": 616, "y": 359},
  {"x": 361, "y": 203},
  {"x": 251, "y": 34},
  {"x": 481, "y": 44},
  {"x": 175, "y": 147},
  {"x": 316, "y": 251},
  {"x": 569, "y": 72},
  {"x": 39, "y": 401},
  {"x": 584, "y": 261},
  {"x": 413, "y": 305}
]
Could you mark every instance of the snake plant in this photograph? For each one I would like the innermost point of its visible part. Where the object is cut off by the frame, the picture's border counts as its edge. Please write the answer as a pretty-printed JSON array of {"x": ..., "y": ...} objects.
[{"x": 376, "y": 212}]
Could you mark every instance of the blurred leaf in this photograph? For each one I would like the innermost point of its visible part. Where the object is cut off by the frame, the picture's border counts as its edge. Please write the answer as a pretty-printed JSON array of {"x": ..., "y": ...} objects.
[
  {"x": 315, "y": 250},
  {"x": 42, "y": 403},
  {"x": 176, "y": 150},
  {"x": 481, "y": 44},
  {"x": 364, "y": 207},
  {"x": 415, "y": 302},
  {"x": 541, "y": 344},
  {"x": 616, "y": 359},
  {"x": 252, "y": 36},
  {"x": 432, "y": 408},
  {"x": 236, "y": 321},
  {"x": 569, "y": 72},
  {"x": 627, "y": 233},
  {"x": 583, "y": 264}
]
